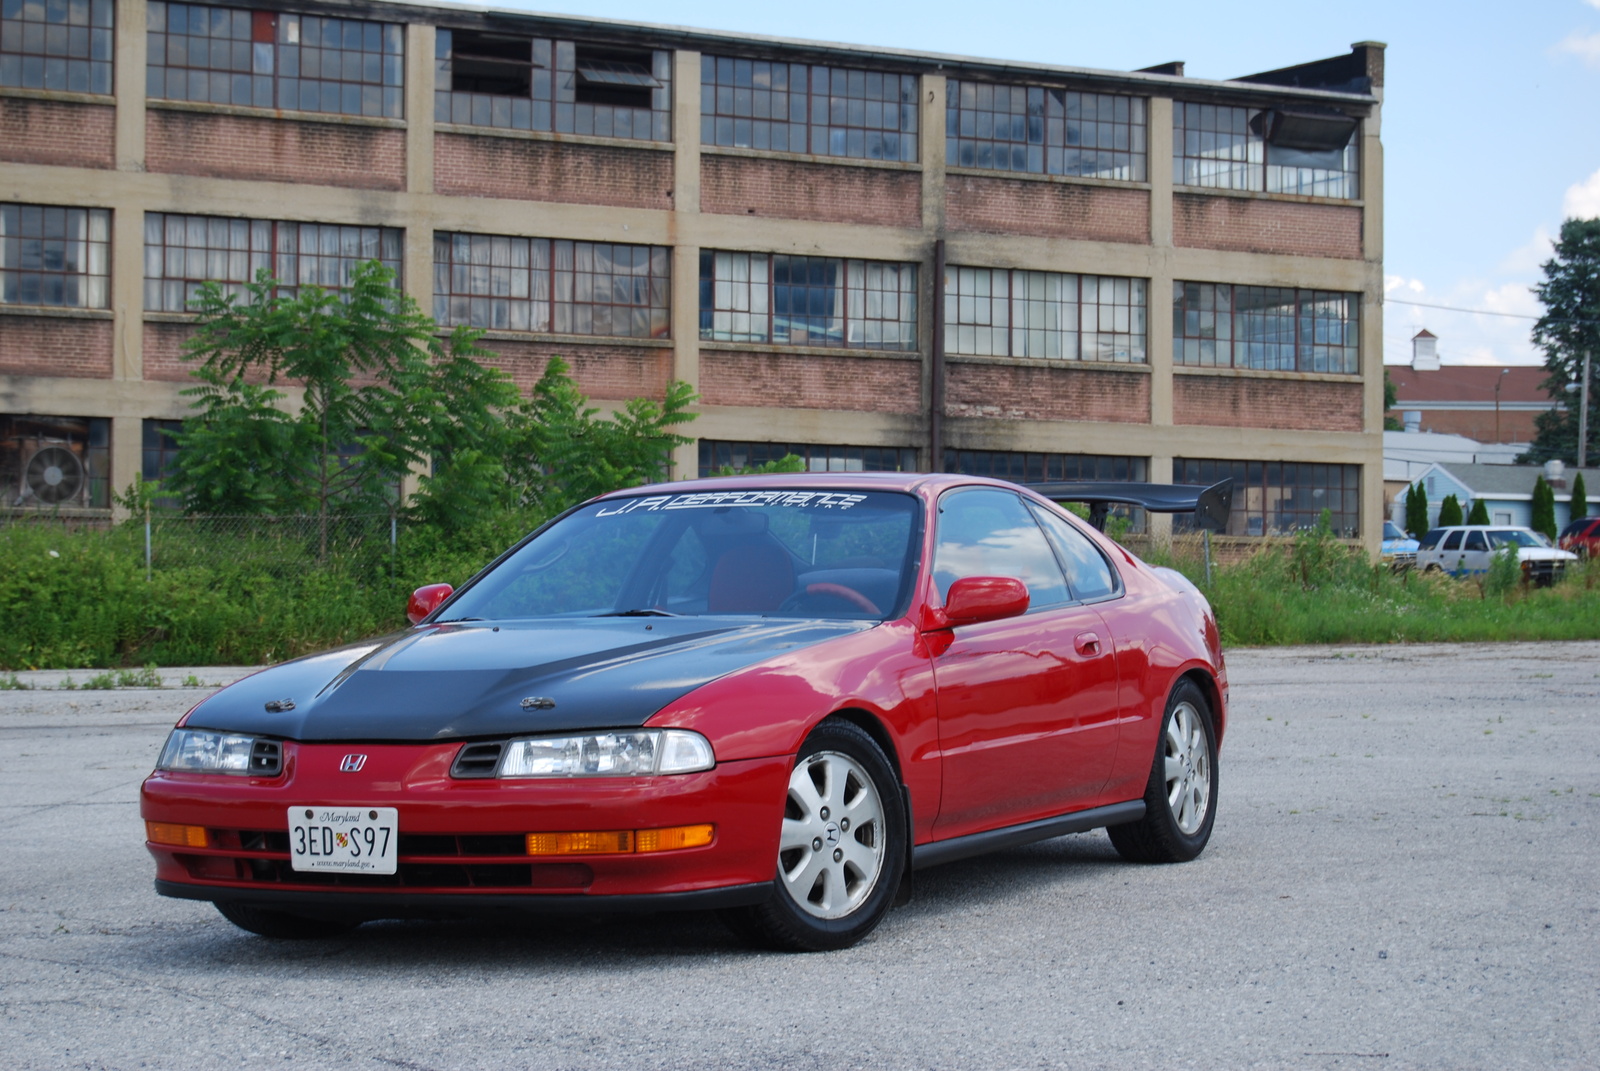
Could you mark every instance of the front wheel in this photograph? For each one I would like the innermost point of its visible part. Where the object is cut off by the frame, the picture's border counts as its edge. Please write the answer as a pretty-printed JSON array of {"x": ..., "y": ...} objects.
[
  {"x": 1181, "y": 796},
  {"x": 841, "y": 851}
]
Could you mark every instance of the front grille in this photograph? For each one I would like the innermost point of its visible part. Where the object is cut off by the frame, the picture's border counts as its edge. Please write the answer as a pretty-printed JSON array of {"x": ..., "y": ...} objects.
[
  {"x": 426, "y": 860},
  {"x": 266, "y": 758},
  {"x": 478, "y": 760}
]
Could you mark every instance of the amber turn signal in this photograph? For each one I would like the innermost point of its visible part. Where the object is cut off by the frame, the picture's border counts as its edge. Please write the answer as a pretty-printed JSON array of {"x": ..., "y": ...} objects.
[
  {"x": 620, "y": 841},
  {"x": 173, "y": 833}
]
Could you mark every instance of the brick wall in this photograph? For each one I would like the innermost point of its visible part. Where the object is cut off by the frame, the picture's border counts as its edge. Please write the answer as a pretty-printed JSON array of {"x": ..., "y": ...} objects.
[
  {"x": 474, "y": 165},
  {"x": 806, "y": 381},
  {"x": 55, "y": 346},
  {"x": 1248, "y": 225},
  {"x": 792, "y": 189},
  {"x": 56, "y": 132},
  {"x": 275, "y": 150},
  {"x": 1239, "y": 402},
  {"x": 608, "y": 371},
  {"x": 162, "y": 345},
  {"x": 1516, "y": 426},
  {"x": 1051, "y": 209},
  {"x": 1027, "y": 392}
]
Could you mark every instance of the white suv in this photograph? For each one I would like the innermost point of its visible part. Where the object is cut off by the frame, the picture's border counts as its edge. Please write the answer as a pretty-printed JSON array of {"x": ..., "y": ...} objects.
[{"x": 1465, "y": 550}]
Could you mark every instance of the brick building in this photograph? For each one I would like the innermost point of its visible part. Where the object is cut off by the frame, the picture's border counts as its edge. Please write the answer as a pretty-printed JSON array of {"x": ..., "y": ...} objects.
[{"x": 875, "y": 258}]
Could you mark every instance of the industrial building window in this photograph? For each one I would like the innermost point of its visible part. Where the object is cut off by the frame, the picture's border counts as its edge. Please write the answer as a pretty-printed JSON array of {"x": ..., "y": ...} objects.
[
  {"x": 54, "y": 463},
  {"x": 1023, "y": 467},
  {"x": 1277, "y": 150},
  {"x": 519, "y": 82},
  {"x": 59, "y": 44},
  {"x": 269, "y": 59},
  {"x": 54, "y": 256},
  {"x": 182, "y": 252},
  {"x": 540, "y": 284},
  {"x": 1281, "y": 329},
  {"x": 1045, "y": 131},
  {"x": 798, "y": 107},
  {"x": 807, "y": 301},
  {"x": 716, "y": 455},
  {"x": 995, "y": 312},
  {"x": 1278, "y": 497}
]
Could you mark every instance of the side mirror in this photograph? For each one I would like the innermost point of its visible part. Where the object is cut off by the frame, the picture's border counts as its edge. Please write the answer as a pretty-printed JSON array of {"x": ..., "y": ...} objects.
[
  {"x": 426, "y": 599},
  {"x": 974, "y": 599}
]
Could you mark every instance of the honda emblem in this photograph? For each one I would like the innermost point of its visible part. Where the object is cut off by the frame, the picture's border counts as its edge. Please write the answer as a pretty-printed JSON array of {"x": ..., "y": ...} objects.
[{"x": 353, "y": 763}]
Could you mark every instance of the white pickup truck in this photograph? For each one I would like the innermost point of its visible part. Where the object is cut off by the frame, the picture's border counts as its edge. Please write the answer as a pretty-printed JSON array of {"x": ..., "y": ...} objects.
[{"x": 1466, "y": 550}]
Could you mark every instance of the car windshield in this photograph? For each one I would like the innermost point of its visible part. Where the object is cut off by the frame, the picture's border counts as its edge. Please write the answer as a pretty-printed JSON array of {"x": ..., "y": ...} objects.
[
  {"x": 780, "y": 553},
  {"x": 1392, "y": 531},
  {"x": 1515, "y": 537}
]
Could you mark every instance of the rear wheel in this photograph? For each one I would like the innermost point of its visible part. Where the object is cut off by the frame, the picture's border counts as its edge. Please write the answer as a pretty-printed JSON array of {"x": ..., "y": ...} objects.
[
  {"x": 282, "y": 924},
  {"x": 841, "y": 852},
  {"x": 1181, "y": 796}
]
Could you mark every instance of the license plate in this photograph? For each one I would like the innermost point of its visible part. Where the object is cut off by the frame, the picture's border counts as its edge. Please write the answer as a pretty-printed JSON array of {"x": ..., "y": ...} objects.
[{"x": 350, "y": 840}]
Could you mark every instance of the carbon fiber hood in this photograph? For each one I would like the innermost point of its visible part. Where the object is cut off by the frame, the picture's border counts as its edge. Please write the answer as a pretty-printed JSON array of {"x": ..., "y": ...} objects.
[{"x": 466, "y": 680}]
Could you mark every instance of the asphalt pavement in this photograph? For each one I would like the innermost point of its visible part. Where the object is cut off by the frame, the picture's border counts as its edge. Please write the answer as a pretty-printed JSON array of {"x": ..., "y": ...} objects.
[{"x": 1403, "y": 875}]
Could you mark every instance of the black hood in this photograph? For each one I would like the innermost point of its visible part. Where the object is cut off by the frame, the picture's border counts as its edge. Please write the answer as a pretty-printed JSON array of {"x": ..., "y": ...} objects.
[{"x": 457, "y": 681}]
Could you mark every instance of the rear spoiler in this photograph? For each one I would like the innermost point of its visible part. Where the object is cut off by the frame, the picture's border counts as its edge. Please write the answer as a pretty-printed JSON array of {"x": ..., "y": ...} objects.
[{"x": 1210, "y": 505}]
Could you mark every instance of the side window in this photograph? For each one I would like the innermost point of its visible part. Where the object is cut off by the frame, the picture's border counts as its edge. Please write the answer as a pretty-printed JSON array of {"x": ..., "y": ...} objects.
[
  {"x": 985, "y": 532},
  {"x": 1452, "y": 541},
  {"x": 1088, "y": 572},
  {"x": 1475, "y": 541}
]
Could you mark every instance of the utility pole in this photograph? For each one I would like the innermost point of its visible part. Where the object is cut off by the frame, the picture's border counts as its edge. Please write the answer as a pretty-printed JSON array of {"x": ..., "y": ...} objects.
[{"x": 1583, "y": 415}]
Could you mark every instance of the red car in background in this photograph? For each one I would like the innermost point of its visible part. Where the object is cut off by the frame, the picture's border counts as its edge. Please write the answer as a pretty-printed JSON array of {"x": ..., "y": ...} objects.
[
  {"x": 1581, "y": 537},
  {"x": 772, "y": 695}
]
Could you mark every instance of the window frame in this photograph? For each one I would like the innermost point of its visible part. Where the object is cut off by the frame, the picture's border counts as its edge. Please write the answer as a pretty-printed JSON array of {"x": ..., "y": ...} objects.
[
  {"x": 1251, "y": 168},
  {"x": 72, "y": 52},
  {"x": 715, "y": 454},
  {"x": 955, "y": 301},
  {"x": 1046, "y": 138},
  {"x": 90, "y": 288},
  {"x": 265, "y": 55},
  {"x": 824, "y": 114},
  {"x": 1257, "y": 498},
  {"x": 1189, "y": 303},
  {"x": 656, "y": 282},
  {"x": 762, "y": 304}
]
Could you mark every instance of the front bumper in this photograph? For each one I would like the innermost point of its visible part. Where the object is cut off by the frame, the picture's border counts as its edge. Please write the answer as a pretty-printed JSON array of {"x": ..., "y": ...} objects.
[{"x": 462, "y": 845}]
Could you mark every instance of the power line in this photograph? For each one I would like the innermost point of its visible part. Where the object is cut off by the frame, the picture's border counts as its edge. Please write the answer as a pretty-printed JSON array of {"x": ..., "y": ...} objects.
[{"x": 1487, "y": 312}]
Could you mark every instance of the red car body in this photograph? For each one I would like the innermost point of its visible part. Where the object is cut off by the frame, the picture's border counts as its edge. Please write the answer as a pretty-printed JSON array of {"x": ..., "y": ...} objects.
[{"x": 999, "y": 732}]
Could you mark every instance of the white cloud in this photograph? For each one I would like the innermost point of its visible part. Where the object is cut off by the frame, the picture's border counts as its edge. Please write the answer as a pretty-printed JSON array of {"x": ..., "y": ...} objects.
[
  {"x": 1586, "y": 46},
  {"x": 1583, "y": 199},
  {"x": 1526, "y": 259},
  {"x": 1392, "y": 283}
]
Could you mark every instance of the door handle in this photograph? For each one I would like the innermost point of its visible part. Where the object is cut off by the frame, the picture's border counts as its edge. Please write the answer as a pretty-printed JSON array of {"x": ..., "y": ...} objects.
[{"x": 1087, "y": 644}]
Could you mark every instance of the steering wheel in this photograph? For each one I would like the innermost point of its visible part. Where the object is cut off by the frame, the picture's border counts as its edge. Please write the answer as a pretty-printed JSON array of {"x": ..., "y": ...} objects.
[{"x": 850, "y": 595}]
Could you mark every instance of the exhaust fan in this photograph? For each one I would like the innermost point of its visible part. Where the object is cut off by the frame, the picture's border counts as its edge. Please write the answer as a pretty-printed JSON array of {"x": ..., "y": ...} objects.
[{"x": 54, "y": 476}]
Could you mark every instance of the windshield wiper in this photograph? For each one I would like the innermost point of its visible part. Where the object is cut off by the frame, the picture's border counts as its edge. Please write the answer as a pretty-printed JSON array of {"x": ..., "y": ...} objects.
[{"x": 642, "y": 612}]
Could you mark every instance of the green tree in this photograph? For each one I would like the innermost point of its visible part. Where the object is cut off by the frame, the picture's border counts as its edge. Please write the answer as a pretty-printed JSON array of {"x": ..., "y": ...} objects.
[
  {"x": 1580, "y": 499},
  {"x": 381, "y": 395},
  {"x": 1569, "y": 327},
  {"x": 1417, "y": 509},
  {"x": 1449, "y": 511},
  {"x": 564, "y": 452},
  {"x": 1479, "y": 513},
  {"x": 1389, "y": 396},
  {"x": 1544, "y": 508}
]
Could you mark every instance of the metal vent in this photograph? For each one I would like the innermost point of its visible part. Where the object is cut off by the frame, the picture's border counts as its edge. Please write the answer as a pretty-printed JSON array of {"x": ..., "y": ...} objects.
[
  {"x": 266, "y": 758},
  {"x": 478, "y": 760}
]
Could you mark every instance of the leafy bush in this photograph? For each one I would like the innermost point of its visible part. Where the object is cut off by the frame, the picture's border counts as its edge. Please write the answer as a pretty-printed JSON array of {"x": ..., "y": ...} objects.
[{"x": 1450, "y": 511}]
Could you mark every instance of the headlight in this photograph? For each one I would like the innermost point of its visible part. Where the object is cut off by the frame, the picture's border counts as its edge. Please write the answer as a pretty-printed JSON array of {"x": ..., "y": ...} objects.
[
  {"x": 626, "y": 754},
  {"x": 201, "y": 751}
]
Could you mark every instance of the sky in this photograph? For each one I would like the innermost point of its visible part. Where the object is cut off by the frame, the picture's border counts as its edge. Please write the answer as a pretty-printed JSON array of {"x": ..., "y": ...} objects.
[{"x": 1487, "y": 143}]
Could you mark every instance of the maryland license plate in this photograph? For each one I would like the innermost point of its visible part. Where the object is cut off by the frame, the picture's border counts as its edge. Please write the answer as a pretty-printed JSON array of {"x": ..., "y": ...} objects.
[{"x": 349, "y": 840}]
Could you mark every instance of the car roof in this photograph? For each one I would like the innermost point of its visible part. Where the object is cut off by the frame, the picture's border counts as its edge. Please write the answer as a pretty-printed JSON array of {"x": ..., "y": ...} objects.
[{"x": 913, "y": 482}]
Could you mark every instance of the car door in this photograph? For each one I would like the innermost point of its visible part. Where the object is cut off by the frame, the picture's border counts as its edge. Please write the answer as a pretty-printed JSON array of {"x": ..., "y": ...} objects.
[
  {"x": 1450, "y": 553},
  {"x": 1475, "y": 552},
  {"x": 1027, "y": 705}
]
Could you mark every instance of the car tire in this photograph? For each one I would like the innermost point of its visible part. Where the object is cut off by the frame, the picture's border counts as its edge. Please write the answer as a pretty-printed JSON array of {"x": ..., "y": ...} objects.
[
  {"x": 842, "y": 848},
  {"x": 282, "y": 924},
  {"x": 1180, "y": 799}
]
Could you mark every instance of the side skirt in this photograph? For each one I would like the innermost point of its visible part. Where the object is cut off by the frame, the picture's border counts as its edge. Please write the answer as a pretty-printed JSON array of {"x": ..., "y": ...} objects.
[{"x": 948, "y": 851}]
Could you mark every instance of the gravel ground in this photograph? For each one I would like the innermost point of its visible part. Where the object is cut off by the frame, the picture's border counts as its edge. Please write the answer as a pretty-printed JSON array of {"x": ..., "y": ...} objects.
[{"x": 1403, "y": 874}]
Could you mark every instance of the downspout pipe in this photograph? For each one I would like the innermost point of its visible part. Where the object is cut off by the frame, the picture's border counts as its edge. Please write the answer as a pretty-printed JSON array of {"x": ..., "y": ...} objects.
[{"x": 936, "y": 378}]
